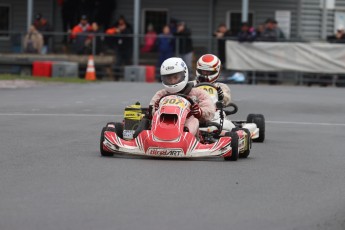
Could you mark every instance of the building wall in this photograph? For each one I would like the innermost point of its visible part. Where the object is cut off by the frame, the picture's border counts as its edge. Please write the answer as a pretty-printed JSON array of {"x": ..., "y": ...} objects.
[
  {"x": 262, "y": 9},
  {"x": 17, "y": 21},
  {"x": 19, "y": 17},
  {"x": 195, "y": 14},
  {"x": 312, "y": 18}
]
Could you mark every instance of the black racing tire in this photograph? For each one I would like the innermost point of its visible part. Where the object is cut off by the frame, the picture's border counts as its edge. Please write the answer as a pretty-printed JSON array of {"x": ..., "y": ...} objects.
[
  {"x": 118, "y": 128},
  {"x": 234, "y": 146},
  {"x": 259, "y": 120},
  {"x": 250, "y": 118},
  {"x": 103, "y": 152},
  {"x": 246, "y": 152}
]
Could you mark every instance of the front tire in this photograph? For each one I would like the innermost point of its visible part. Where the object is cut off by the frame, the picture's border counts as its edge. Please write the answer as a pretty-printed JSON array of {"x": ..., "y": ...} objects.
[
  {"x": 234, "y": 146},
  {"x": 103, "y": 152}
]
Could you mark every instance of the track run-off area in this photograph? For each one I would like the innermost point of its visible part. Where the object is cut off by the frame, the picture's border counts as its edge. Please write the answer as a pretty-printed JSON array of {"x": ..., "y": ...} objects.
[{"x": 53, "y": 177}]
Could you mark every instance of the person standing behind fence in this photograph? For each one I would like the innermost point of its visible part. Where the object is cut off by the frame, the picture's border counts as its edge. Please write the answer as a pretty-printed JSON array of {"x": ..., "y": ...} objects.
[
  {"x": 280, "y": 33},
  {"x": 270, "y": 33},
  {"x": 150, "y": 39},
  {"x": 42, "y": 25},
  {"x": 33, "y": 41},
  {"x": 339, "y": 36},
  {"x": 247, "y": 34},
  {"x": 222, "y": 34},
  {"x": 165, "y": 45},
  {"x": 185, "y": 44},
  {"x": 80, "y": 35},
  {"x": 124, "y": 45},
  {"x": 94, "y": 40}
]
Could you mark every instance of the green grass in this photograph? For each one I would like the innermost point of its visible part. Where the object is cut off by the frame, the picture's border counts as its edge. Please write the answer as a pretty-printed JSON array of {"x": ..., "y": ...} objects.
[{"x": 42, "y": 79}]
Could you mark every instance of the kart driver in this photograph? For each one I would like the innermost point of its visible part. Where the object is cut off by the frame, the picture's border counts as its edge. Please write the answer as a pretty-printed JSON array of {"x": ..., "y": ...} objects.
[
  {"x": 208, "y": 70},
  {"x": 174, "y": 76}
]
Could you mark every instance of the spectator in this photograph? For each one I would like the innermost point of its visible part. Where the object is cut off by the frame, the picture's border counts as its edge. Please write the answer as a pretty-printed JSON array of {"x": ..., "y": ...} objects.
[
  {"x": 33, "y": 41},
  {"x": 173, "y": 25},
  {"x": 165, "y": 45},
  {"x": 150, "y": 39},
  {"x": 259, "y": 30},
  {"x": 247, "y": 34},
  {"x": 270, "y": 33},
  {"x": 80, "y": 35},
  {"x": 280, "y": 33},
  {"x": 110, "y": 38},
  {"x": 124, "y": 44},
  {"x": 83, "y": 26},
  {"x": 222, "y": 34},
  {"x": 185, "y": 45},
  {"x": 339, "y": 36},
  {"x": 95, "y": 39},
  {"x": 42, "y": 25}
]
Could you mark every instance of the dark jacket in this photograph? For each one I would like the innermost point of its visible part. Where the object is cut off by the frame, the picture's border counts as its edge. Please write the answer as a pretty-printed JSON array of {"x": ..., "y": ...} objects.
[
  {"x": 184, "y": 41},
  {"x": 246, "y": 36},
  {"x": 269, "y": 35},
  {"x": 125, "y": 42},
  {"x": 165, "y": 43},
  {"x": 334, "y": 39}
]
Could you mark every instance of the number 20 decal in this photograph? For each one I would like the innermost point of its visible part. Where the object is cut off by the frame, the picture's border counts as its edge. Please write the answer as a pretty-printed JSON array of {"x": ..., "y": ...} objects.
[{"x": 208, "y": 90}]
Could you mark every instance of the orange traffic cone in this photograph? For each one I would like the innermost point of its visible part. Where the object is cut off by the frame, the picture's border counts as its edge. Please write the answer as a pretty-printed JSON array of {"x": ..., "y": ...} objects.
[{"x": 90, "y": 70}]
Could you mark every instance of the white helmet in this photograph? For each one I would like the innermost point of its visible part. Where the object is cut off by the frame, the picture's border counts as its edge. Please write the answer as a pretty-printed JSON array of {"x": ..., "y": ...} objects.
[
  {"x": 174, "y": 74},
  {"x": 208, "y": 68}
]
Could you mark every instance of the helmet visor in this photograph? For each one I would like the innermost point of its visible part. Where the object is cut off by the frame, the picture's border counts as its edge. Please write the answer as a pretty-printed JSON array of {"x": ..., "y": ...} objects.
[
  {"x": 206, "y": 72},
  {"x": 172, "y": 79}
]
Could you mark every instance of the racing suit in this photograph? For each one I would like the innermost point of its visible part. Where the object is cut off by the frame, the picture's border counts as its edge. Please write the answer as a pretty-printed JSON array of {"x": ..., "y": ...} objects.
[
  {"x": 227, "y": 124},
  {"x": 204, "y": 101}
]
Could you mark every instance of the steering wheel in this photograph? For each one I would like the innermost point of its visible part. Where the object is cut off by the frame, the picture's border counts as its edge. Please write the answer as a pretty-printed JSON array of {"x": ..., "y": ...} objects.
[{"x": 233, "y": 111}]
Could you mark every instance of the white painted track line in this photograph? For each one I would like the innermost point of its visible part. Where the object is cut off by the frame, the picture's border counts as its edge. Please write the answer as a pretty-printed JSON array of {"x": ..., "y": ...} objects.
[{"x": 121, "y": 115}]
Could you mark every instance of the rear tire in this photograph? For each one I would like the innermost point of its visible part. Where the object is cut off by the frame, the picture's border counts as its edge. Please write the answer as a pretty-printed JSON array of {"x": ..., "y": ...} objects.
[
  {"x": 103, "y": 152},
  {"x": 259, "y": 120},
  {"x": 234, "y": 146}
]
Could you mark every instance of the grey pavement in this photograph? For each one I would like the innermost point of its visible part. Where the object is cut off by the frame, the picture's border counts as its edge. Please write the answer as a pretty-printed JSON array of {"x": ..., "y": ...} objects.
[{"x": 52, "y": 175}]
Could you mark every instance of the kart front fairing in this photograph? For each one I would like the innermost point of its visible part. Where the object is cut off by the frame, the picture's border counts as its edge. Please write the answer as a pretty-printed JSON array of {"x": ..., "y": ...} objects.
[{"x": 167, "y": 137}]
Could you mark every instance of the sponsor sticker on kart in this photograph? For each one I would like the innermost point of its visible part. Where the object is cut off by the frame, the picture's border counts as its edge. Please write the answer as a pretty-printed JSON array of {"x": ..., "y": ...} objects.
[
  {"x": 174, "y": 101},
  {"x": 164, "y": 152},
  {"x": 128, "y": 134},
  {"x": 209, "y": 89}
]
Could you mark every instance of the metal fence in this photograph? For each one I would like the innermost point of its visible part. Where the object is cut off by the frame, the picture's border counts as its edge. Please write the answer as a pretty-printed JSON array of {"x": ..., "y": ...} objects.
[{"x": 101, "y": 45}]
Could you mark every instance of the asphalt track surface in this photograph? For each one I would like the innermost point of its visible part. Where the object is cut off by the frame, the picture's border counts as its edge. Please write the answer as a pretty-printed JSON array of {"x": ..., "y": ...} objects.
[{"x": 52, "y": 175}]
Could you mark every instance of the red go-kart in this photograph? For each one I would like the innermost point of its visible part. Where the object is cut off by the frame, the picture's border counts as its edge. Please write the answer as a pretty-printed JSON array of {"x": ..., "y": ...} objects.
[{"x": 165, "y": 135}]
